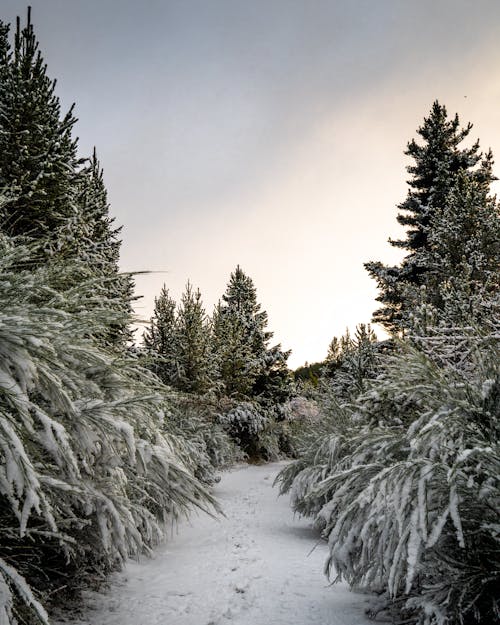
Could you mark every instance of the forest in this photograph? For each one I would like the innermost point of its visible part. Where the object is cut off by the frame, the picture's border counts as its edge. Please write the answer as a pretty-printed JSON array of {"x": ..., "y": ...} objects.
[{"x": 107, "y": 439}]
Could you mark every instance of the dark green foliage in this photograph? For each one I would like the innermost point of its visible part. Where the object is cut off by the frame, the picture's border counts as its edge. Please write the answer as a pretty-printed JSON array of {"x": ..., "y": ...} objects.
[
  {"x": 247, "y": 367},
  {"x": 52, "y": 196},
  {"x": 178, "y": 342},
  {"x": 160, "y": 338},
  {"x": 309, "y": 373},
  {"x": 38, "y": 158},
  {"x": 194, "y": 362},
  {"x": 90, "y": 236},
  {"x": 439, "y": 163}
]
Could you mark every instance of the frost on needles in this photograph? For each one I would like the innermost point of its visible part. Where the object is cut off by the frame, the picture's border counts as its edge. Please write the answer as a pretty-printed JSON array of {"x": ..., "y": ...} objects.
[
  {"x": 92, "y": 469},
  {"x": 403, "y": 475}
]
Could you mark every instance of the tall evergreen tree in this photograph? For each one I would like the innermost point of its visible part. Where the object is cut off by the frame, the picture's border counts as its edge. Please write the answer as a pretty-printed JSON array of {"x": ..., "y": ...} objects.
[
  {"x": 438, "y": 163},
  {"x": 38, "y": 158},
  {"x": 351, "y": 363},
  {"x": 160, "y": 339},
  {"x": 193, "y": 344},
  {"x": 178, "y": 342},
  {"x": 247, "y": 366},
  {"x": 92, "y": 238},
  {"x": 55, "y": 197},
  {"x": 463, "y": 253}
]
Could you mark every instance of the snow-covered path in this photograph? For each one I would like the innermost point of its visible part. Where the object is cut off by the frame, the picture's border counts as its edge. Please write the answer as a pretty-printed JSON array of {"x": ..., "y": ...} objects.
[{"x": 254, "y": 567}]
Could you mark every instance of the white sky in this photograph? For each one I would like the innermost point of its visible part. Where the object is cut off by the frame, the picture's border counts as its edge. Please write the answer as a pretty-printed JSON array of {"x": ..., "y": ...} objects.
[{"x": 268, "y": 134}]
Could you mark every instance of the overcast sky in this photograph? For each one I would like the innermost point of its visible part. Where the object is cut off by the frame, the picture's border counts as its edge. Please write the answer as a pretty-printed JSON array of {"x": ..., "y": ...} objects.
[{"x": 266, "y": 133}]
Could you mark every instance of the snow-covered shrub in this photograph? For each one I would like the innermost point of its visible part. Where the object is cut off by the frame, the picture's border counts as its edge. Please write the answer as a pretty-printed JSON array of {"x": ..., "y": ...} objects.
[
  {"x": 293, "y": 422},
  {"x": 410, "y": 490},
  {"x": 88, "y": 472},
  {"x": 245, "y": 422},
  {"x": 208, "y": 446},
  {"x": 318, "y": 448},
  {"x": 261, "y": 431}
]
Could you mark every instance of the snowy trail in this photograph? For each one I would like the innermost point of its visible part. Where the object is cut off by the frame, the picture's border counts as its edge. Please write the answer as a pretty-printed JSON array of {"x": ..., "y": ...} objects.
[{"x": 254, "y": 567}]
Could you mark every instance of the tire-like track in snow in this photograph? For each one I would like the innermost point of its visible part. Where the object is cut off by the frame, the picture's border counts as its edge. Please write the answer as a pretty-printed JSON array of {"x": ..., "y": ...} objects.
[{"x": 258, "y": 566}]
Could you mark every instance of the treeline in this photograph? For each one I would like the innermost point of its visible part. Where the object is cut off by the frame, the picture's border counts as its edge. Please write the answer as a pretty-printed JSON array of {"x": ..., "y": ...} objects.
[
  {"x": 103, "y": 444},
  {"x": 224, "y": 365},
  {"x": 402, "y": 472}
]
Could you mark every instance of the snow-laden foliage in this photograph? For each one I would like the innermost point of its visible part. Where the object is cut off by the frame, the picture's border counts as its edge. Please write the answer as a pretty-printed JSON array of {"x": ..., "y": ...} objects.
[
  {"x": 318, "y": 451},
  {"x": 407, "y": 486},
  {"x": 439, "y": 161},
  {"x": 350, "y": 364},
  {"x": 266, "y": 432},
  {"x": 208, "y": 446},
  {"x": 247, "y": 367},
  {"x": 88, "y": 471},
  {"x": 246, "y": 421},
  {"x": 54, "y": 196}
]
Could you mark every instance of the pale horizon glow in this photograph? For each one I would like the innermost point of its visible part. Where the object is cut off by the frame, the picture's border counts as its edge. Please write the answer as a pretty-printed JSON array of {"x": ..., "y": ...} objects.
[{"x": 266, "y": 134}]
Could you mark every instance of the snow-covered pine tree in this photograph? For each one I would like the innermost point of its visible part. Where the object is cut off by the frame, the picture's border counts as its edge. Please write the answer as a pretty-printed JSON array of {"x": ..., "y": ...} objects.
[
  {"x": 350, "y": 363},
  {"x": 54, "y": 196},
  {"x": 160, "y": 338},
  {"x": 89, "y": 473},
  {"x": 246, "y": 365},
  {"x": 405, "y": 483},
  {"x": 178, "y": 342},
  {"x": 252, "y": 374},
  {"x": 193, "y": 351},
  {"x": 235, "y": 363},
  {"x": 38, "y": 157},
  {"x": 438, "y": 162},
  {"x": 463, "y": 254},
  {"x": 90, "y": 236}
]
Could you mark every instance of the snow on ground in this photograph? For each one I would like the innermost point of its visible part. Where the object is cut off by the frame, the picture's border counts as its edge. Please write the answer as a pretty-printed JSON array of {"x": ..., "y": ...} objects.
[{"x": 258, "y": 566}]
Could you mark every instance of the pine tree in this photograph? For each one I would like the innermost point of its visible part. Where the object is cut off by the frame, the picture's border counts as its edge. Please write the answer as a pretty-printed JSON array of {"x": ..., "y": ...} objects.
[
  {"x": 438, "y": 163},
  {"x": 404, "y": 483},
  {"x": 246, "y": 365},
  {"x": 38, "y": 158},
  {"x": 193, "y": 344},
  {"x": 351, "y": 363},
  {"x": 55, "y": 197},
  {"x": 178, "y": 342},
  {"x": 92, "y": 237},
  {"x": 161, "y": 340},
  {"x": 463, "y": 253},
  {"x": 90, "y": 471}
]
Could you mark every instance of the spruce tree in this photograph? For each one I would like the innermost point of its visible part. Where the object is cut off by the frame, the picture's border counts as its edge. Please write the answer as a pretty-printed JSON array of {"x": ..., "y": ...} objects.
[
  {"x": 232, "y": 353},
  {"x": 351, "y": 363},
  {"x": 438, "y": 163},
  {"x": 178, "y": 342}
]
